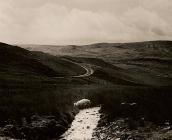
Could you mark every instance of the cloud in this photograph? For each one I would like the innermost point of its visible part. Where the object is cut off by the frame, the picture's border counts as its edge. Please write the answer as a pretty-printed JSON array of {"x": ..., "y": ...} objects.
[
  {"x": 77, "y": 26},
  {"x": 148, "y": 24},
  {"x": 57, "y": 22}
]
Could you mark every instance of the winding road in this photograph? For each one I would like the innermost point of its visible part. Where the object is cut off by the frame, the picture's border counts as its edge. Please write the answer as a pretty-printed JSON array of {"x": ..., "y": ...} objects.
[{"x": 88, "y": 70}]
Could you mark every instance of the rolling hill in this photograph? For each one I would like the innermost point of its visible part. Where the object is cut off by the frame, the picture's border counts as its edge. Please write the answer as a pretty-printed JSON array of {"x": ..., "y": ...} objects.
[
  {"x": 45, "y": 80},
  {"x": 147, "y": 62}
]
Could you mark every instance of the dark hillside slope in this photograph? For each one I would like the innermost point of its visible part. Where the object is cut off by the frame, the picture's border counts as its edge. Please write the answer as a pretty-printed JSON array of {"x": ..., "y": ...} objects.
[
  {"x": 63, "y": 66},
  {"x": 17, "y": 61}
]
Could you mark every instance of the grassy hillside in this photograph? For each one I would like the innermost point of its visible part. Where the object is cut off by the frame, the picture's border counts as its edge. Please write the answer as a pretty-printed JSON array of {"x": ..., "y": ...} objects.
[
  {"x": 36, "y": 83},
  {"x": 28, "y": 88},
  {"x": 143, "y": 66}
]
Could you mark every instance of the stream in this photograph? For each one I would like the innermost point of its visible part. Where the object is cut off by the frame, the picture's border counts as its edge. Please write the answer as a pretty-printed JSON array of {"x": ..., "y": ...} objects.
[{"x": 83, "y": 125}]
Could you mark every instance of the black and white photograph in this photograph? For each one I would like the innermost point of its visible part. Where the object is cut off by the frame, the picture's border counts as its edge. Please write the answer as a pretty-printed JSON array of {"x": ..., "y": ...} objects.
[{"x": 85, "y": 70}]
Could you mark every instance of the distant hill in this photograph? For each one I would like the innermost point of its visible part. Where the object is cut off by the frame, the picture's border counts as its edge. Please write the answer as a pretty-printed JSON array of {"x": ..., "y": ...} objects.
[{"x": 106, "y": 50}]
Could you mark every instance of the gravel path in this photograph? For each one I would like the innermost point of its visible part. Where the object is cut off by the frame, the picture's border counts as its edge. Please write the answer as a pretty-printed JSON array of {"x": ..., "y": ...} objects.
[{"x": 84, "y": 124}]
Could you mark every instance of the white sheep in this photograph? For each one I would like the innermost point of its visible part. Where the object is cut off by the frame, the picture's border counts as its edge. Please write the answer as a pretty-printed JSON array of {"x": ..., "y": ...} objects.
[{"x": 81, "y": 104}]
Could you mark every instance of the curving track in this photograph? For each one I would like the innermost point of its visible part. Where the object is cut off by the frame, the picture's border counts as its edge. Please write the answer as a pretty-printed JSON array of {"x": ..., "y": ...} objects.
[{"x": 88, "y": 70}]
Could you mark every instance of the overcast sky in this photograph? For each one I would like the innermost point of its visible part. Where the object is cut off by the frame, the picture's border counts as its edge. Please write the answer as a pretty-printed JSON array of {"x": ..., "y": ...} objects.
[{"x": 84, "y": 21}]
